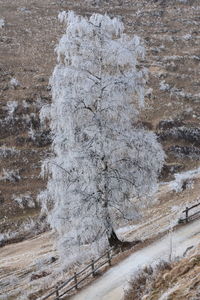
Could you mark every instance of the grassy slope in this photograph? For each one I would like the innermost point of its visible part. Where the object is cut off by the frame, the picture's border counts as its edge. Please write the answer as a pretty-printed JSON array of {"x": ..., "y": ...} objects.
[
  {"x": 175, "y": 281},
  {"x": 26, "y": 53}
]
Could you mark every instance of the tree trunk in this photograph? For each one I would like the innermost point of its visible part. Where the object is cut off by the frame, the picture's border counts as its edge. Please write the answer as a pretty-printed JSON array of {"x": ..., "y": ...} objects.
[
  {"x": 122, "y": 245},
  {"x": 113, "y": 240}
]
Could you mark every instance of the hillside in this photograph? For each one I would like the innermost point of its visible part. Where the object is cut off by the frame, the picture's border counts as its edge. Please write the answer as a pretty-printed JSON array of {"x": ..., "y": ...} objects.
[
  {"x": 30, "y": 268},
  {"x": 178, "y": 280},
  {"x": 28, "y": 35},
  {"x": 29, "y": 32}
]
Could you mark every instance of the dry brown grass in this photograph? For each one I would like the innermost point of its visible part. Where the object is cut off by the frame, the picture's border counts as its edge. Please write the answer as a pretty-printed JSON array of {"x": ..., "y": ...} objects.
[{"x": 180, "y": 279}]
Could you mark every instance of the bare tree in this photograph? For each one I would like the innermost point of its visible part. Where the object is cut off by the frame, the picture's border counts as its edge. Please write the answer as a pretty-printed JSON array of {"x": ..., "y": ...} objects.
[{"x": 101, "y": 160}]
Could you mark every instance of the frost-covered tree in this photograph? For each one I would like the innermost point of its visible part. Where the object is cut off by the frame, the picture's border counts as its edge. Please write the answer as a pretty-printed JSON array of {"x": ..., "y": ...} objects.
[{"x": 101, "y": 160}]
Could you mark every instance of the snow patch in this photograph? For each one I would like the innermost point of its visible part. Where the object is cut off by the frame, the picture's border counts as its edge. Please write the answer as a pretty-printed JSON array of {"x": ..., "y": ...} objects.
[
  {"x": 2, "y": 23},
  {"x": 14, "y": 82},
  {"x": 177, "y": 185},
  {"x": 164, "y": 86},
  {"x": 10, "y": 175},
  {"x": 24, "y": 10},
  {"x": 187, "y": 37},
  {"x": 6, "y": 152},
  {"x": 127, "y": 229},
  {"x": 11, "y": 108},
  {"x": 31, "y": 133},
  {"x": 25, "y": 104},
  {"x": 24, "y": 200}
]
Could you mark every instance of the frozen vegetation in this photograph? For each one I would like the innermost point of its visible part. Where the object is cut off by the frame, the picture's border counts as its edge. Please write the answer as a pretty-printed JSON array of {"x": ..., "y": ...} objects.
[
  {"x": 24, "y": 200},
  {"x": 102, "y": 162},
  {"x": 22, "y": 231},
  {"x": 11, "y": 108},
  {"x": 10, "y": 175},
  {"x": 6, "y": 152},
  {"x": 184, "y": 179}
]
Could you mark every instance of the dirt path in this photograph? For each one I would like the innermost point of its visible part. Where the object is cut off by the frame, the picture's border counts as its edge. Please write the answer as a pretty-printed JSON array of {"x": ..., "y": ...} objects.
[
  {"x": 18, "y": 262},
  {"x": 111, "y": 286}
]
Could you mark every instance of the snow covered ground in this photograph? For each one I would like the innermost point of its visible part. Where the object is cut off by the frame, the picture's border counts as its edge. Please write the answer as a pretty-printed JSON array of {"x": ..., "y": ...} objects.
[{"x": 112, "y": 285}]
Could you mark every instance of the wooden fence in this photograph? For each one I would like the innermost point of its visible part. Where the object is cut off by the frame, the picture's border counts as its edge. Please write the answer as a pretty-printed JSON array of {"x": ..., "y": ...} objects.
[
  {"x": 75, "y": 281},
  {"x": 189, "y": 217},
  {"x": 91, "y": 270}
]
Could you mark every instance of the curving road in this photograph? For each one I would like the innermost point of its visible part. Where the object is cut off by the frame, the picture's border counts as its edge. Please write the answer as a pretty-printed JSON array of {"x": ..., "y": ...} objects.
[{"x": 112, "y": 284}]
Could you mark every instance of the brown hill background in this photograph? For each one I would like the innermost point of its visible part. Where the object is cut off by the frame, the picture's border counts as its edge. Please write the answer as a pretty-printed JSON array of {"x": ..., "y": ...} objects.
[{"x": 29, "y": 32}]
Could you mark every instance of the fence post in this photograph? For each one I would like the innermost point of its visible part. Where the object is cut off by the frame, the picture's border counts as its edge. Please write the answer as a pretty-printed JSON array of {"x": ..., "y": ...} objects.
[
  {"x": 57, "y": 293},
  {"x": 186, "y": 214},
  {"x": 109, "y": 258},
  {"x": 76, "y": 281},
  {"x": 92, "y": 265}
]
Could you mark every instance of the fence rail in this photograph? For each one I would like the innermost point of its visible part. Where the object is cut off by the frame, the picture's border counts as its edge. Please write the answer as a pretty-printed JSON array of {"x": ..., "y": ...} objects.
[
  {"x": 189, "y": 217},
  {"x": 74, "y": 281}
]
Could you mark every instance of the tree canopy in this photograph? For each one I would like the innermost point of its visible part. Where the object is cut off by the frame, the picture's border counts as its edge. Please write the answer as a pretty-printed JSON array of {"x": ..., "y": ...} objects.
[{"x": 101, "y": 159}]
